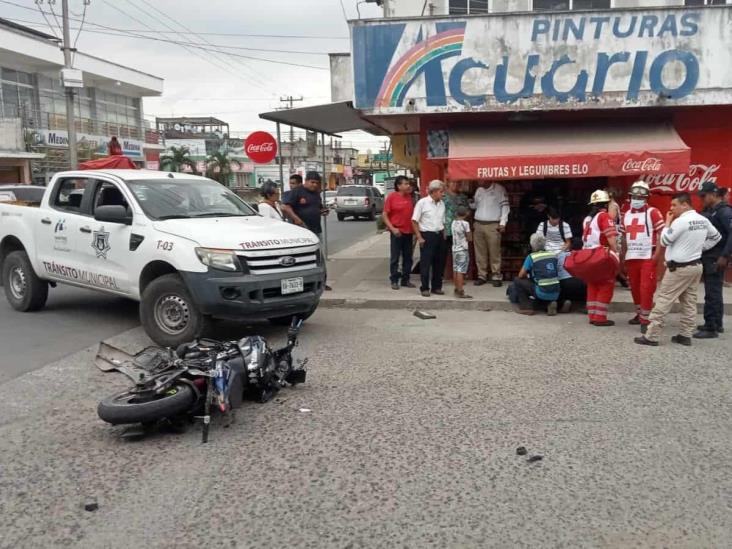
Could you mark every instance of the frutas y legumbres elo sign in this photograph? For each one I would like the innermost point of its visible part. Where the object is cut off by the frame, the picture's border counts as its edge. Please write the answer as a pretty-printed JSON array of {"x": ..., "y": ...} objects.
[{"x": 671, "y": 56}]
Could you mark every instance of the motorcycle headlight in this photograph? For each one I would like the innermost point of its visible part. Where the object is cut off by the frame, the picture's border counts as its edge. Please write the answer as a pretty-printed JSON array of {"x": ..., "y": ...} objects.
[{"x": 223, "y": 260}]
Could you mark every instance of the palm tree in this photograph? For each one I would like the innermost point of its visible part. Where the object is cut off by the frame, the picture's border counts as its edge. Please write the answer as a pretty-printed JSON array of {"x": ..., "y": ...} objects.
[
  {"x": 218, "y": 166},
  {"x": 175, "y": 158}
]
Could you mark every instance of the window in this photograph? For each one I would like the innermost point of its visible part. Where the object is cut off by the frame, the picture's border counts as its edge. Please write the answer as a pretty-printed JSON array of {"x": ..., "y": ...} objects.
[
  {"x": 691, "y": 3},
  {"x": 351, "y": 190},
  {"x": 69, "y": 195},
  {"x": 469, "y": 7},
  {"x": 566, "y": 5},
  {"x": 108, "y": 194}
]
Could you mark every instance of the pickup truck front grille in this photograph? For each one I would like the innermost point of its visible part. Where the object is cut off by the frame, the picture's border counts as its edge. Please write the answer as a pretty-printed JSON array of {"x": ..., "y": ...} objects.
[{"x": 288, "y": 260}]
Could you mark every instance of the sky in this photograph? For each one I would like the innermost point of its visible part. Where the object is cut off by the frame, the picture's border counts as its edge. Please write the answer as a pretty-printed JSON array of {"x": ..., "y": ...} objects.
[{"x": 205, "y": 83}]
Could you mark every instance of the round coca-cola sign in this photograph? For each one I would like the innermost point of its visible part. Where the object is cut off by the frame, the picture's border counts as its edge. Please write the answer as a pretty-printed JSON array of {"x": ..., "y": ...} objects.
[{"x": 261, "y": 147}]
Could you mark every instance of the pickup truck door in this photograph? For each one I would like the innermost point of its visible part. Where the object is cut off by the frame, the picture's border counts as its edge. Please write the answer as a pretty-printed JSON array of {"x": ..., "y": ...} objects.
[
  {"x": 57, "y": 230},
  {"x": 105, "y": 249}
]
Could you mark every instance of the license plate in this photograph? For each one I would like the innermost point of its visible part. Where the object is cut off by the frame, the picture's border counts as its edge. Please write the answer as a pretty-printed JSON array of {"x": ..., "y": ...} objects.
[{"x": 292, "y": 285}]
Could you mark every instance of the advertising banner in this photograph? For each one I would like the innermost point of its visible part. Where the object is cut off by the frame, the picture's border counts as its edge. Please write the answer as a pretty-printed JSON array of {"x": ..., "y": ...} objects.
[{"x": 97, "y": 143}]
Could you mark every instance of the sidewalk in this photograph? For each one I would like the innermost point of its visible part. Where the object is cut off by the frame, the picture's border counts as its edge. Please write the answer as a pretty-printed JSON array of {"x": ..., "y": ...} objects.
[{"x": 359, "y": 278}]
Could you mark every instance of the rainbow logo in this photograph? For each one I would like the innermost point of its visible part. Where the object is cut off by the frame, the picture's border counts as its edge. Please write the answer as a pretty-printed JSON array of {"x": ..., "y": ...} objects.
[{"x": 404, "y": 72}]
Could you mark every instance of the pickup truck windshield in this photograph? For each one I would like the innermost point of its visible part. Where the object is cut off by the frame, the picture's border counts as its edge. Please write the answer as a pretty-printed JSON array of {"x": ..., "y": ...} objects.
[{"x": 181, "y": 199}]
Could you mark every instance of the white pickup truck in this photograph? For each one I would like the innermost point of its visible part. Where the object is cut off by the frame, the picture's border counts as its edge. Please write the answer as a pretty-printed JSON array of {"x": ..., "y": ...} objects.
[{"x": 185, "y": 247}]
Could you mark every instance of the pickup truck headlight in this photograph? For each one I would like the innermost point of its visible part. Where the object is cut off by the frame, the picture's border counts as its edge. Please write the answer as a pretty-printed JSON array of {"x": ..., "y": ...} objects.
[{"x": 223, "y": 260}]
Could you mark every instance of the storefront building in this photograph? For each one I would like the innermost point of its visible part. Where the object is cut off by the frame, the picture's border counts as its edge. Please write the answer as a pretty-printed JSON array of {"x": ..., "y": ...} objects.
[
  {"x": 32, "y": 100},
  {"x": 555, "y": 105}
]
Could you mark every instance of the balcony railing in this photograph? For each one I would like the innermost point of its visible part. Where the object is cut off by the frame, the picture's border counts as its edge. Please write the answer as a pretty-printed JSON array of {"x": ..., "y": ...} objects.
[{"x": 39, "y": 120}]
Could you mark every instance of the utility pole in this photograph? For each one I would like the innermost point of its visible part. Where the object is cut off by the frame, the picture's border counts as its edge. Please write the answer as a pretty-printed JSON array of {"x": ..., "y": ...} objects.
[
  {"x": 70, "y": 117},
  {"x": 290, "y": 100}
]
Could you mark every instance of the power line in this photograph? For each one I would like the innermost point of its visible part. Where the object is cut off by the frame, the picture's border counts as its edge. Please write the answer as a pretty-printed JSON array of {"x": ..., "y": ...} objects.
[{"x": 43, "y": 13}]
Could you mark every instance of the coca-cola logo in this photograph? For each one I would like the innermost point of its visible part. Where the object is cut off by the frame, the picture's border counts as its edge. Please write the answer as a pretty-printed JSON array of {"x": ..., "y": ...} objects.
[
  {"x": 261, "y": 147},
  {"x": 642, "y": 166},
  {"x": 689, "y": 182}
]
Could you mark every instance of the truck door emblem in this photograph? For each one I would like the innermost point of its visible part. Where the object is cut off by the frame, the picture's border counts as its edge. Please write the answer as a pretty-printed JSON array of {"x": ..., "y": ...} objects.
[
  {"x": 100, "y": 243},
  {"x": 60, "y": 226},
  {"x": 287, "y": 261}
]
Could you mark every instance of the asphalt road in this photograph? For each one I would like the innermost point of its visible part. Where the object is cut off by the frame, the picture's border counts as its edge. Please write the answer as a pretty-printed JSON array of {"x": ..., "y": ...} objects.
[
  {"x": 75, "y": 319},
  {"x": 405, "y": 435}
]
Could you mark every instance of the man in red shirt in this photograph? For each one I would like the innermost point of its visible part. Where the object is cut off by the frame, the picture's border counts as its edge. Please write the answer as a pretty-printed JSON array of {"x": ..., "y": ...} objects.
[
  {"x": 641, "y": 228},
  {"x": 397, "y": 216}
]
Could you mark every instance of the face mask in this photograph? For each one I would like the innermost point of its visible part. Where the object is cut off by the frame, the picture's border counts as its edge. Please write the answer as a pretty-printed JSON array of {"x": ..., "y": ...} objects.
[{"x": 637, "y": 203}]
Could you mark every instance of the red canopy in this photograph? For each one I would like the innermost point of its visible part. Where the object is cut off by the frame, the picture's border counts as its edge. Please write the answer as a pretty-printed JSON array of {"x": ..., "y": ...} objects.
[
  {"x": 566, "y": 151},
  {"x": 109, "y": 163}
]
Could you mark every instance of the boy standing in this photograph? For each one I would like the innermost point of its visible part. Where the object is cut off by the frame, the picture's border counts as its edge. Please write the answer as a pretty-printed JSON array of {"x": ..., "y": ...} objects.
[{"x": 461, "y": 235}]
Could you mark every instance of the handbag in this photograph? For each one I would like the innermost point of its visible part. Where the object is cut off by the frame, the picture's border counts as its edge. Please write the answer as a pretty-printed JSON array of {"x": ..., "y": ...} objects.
[{"x": 594, "y": 265}]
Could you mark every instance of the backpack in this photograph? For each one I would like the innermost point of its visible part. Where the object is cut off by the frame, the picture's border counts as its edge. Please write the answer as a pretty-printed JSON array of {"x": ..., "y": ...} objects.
[{"x": 561, "y": 228}]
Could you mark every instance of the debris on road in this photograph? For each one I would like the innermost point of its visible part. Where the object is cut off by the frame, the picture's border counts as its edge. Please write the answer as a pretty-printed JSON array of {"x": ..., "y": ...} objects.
[
  {"x": 305, "y": 410},
  {"x": 534, "y": 459},
  {"x": 424, "y": 315},
  {"x": 521, "y": 451},
  {"x": 91, "y": 505}
]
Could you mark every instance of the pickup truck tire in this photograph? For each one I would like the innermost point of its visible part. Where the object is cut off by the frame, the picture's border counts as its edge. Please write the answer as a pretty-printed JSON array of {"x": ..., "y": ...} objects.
[
  {"x": 24, "y": 290},
  {"x": 125, "y": 408},
  {"x": 168, "y": 313},
  {"x": 341, "y": 217},
  {"x": 287, "y": 320}
]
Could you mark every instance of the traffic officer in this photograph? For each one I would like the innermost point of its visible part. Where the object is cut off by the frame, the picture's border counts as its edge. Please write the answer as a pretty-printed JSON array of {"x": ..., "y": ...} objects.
[
  {"x": 686, "y": 235},
  {"x": 715, "y": 261},
  {"x": 641, "y": 227}
]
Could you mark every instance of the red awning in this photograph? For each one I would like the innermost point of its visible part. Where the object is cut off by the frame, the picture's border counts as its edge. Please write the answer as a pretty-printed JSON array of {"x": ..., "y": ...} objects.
[
  {"x": 109, "y": 163},
  {"x": 566, "y": 151}
]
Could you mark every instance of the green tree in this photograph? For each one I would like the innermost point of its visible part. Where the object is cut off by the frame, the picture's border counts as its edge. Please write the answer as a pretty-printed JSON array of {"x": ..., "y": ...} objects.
[
  {"x": 218, "y": 166},
  {"x": 175, "y": 158}
]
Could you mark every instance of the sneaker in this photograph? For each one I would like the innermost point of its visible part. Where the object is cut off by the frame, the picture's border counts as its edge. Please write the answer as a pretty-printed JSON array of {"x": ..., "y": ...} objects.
[
  {"x": 703, "y": 334},
  {"x": 634, "y": 321},
  {"x": 643, "y": 341},
  {"x": 425, "y": 293},
  {"x": 497, "y": 283},
  {"x": 438, "y": 292},
  {"x": 681, "y": 340},
  {"x": 551, "y": 310},
  {"x": 394, "y": 286},
  {"x": 408, "y": 284},
  {"x": 566, "y": 306},
  {"x": 603, "y": 323},
  {"x": 480, "y": 281}
]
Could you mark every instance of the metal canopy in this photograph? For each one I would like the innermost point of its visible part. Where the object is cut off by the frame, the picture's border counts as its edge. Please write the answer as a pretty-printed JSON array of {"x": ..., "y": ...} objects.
[{"x": 330, "y": 119}]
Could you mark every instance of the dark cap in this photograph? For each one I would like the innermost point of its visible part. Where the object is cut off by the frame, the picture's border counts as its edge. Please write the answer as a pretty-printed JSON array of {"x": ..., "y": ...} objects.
[
  {"x": 312, "y": 176},
  {"x": 711, "y": 187}
]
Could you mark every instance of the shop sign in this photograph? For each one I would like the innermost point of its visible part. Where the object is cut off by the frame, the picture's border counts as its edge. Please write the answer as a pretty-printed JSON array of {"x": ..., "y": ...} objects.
[
  {"x": 97, "y": 143},
  {"x": 618, "y": 58},
  {"x": 261, "y": 147},
  {"x": 152, "y": 165},
  {"x": 689, "y": 182}
]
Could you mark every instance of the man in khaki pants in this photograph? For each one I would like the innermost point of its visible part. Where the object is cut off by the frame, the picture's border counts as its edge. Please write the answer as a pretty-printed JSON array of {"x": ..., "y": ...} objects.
[
  {"x": 491, "y": 215},
  {"x": 686, "y": 235}
]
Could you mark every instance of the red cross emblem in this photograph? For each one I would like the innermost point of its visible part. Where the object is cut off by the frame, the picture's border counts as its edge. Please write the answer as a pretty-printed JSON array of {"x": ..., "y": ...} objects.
[{"x": 634, "y": 229}]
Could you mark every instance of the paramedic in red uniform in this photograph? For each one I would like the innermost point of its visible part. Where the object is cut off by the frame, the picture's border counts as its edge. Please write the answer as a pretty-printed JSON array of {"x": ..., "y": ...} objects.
[
  {"x": 641, "y": 228},
  {"x": 600, "y": 232}
]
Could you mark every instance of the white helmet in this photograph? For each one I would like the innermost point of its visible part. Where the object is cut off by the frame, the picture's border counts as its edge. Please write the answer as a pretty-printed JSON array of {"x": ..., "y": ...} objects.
[
  {"x": 640, "y": 189},
  {"x": 599, "y": 197}
]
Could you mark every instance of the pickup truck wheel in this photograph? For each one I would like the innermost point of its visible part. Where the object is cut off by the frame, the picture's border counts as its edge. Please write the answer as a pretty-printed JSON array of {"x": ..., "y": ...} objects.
[
  {"x": 168, "y": 313},
  {"x": 341, "y": 217},
  {"x": 24, "y": 290}
]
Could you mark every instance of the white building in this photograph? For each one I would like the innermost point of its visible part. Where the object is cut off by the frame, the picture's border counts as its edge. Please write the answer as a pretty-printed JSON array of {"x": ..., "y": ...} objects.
[{"x": 33, "y": 136}]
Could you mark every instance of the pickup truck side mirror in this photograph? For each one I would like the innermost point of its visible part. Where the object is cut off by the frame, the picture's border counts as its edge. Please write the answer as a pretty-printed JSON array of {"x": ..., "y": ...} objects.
[{"x": 113, "y": 214}]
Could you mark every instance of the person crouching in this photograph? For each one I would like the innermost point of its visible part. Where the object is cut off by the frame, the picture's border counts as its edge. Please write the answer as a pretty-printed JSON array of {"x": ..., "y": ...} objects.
[{"x": 538, "y": 278}]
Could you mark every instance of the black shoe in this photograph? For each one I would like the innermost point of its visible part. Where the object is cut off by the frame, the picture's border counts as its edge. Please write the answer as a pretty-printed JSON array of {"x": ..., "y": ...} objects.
[
  {"x": 394, "y": 286},
  {"x": 425, "y": 293},
  {"x": 681, "y": 340},
  {"x": 703, "y": 334},
  {"x": 438, "y": 292},
  {"x": 634, "y": 321},
  {"x": 704, "y": 328},
  {"x": 480, "y": 281},
  {"x": 643, "y": 341},
  {"x": 497, "y": 283},
  {"x": 566, "y": 307},
  {"x": 603, "y": 323},
  {"x": 408, "y": 284},
  {"x": 644, "y": 328},
  {"x": 328, "y": 288}
]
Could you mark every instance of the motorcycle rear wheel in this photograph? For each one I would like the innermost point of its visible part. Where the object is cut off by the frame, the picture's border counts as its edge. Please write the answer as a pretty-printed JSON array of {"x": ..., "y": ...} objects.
[{"x": 127, "y": 407}]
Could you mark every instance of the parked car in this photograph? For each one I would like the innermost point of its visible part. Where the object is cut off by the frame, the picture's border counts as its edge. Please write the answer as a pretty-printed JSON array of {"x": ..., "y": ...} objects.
[
  {"x": 22, "y": 193},
  {"x": 185, "y": 247},
  {"x": 358, "y": 201},
  {"x": 330, "y": 199}
]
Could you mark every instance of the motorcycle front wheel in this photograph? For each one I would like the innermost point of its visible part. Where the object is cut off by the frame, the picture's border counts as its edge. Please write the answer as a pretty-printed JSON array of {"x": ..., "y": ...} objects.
[{"x": 128, "y": 407}]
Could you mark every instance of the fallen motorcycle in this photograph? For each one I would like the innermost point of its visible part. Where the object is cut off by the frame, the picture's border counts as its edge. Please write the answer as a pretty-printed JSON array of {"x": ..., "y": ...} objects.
[{"x": 199, "y": 377}]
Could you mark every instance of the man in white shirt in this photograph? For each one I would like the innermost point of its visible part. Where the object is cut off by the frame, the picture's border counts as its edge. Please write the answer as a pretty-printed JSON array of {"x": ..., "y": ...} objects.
[
  {"x": 686, "y": 235},
  {"x": 556, "y": 232},
  {"x": 428, "y": 221},
  {"x": 491, "y": 216}
]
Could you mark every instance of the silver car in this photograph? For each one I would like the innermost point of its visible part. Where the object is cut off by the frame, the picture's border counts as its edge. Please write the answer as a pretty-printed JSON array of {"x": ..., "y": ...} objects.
[{"x": 358, "y": 201}]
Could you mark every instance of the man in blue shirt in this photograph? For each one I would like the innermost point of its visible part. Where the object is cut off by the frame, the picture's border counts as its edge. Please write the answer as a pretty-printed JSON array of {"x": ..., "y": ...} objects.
[{"x": 538, "y": 278}]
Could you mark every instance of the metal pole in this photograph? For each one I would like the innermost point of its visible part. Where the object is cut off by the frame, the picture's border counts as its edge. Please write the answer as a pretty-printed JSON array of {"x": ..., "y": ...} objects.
[
  {"x": 70, "y": 118},
  {"x": 325, "y": 219},
  {"x": 279, "y": 158}
]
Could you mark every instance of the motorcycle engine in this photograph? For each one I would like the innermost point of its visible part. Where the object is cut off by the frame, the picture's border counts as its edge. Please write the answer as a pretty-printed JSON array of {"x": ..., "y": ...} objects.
[{"x": 258, "y": 360}]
